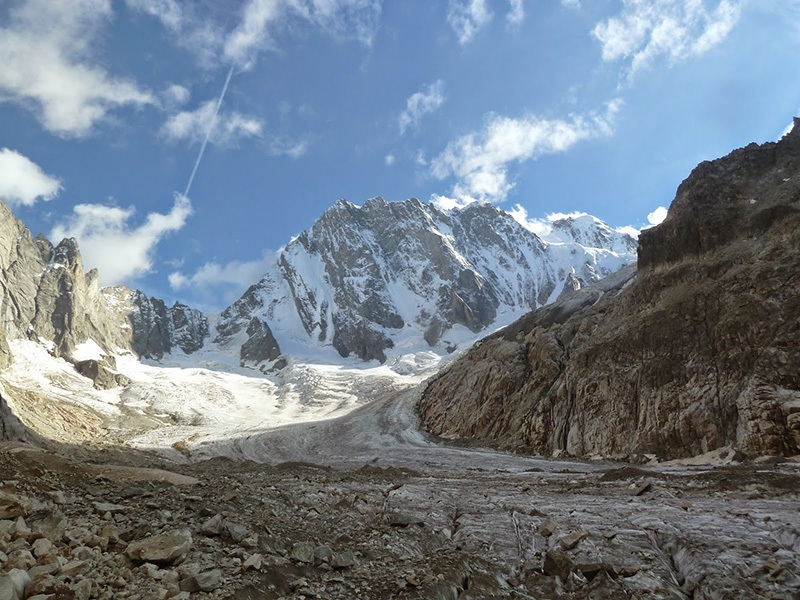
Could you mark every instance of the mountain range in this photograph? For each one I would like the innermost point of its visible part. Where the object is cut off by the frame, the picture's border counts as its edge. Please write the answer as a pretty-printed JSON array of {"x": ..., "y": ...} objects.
[{"x": 361, "y": 282}]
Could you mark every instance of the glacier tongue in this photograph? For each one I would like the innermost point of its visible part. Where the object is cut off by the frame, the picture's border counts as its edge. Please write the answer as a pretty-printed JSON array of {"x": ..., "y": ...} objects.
[{"x": 388, "y": 279}]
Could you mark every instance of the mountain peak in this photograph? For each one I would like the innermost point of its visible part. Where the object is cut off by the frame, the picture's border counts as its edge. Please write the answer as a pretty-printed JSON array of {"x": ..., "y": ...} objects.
[{"x": 388, "y": 278}]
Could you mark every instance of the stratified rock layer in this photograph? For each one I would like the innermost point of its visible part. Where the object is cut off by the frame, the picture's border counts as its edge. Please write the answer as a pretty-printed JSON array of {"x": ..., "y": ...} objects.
[{"x": 697, "y": 351}]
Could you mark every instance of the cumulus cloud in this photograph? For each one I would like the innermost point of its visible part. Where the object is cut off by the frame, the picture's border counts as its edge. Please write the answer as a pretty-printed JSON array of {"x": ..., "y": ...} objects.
[
  {"x": 23, "y": 182},
  {"x": 479, "y": 161},
  {"x": 647, "y": 31},
  {"x": 389, "y": 159},
  {"x": 217, "y": 282},
  {"x": 45, "y": 65},
  {"x": 571, "y": 3},
  {"x": 468, "y": 17},
  {"x": 227, "y": 128},
  {"x": 657, "y": 216},
  {"x": 420, "y": 104},
  {"x": 516, "y": 13},
  {"x": 110, "y": 243}
]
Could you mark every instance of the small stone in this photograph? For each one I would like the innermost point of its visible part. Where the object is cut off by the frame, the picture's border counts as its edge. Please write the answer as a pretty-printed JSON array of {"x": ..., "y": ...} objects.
[
  {"x": 208, "y": 581},
  {"x": 101, "y": 508},
  {"x": 48, "y": 569},
  {"x": 236, "y": 531},
  {"x": 20, "y": 559},
  {"x": 253, "y": 563},
  {"x": 21, "y": 531},
  {"x": 568, "y": 542},
  {"x": 642, "y": 487},
  {"x": 343, "y": 560},
  {"x": 302, "y": 552},
  {"x": 58, "y": 497},
  {"x": 75, "y": 568},
  {"x": 557, "y": 564},
  {"x": 213, "y": 526},
  {"x": 323, "y": 553},
  {"x": 13, "y": 584},
  {"x": 82, "y": 589},
  {"x": 43, "y": 547},
  {"x": 13, "y": 506},
  {"x": 152, "y": 571},
  {"x": 773, "y": 567},
  {"x": 547, "y": 527},
  {"x": 403, "y": 520},
  {"x": 51, "y": 527}
]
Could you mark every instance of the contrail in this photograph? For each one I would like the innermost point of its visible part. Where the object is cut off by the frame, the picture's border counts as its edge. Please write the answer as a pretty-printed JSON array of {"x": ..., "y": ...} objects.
[{"x": 208, "y": 132}]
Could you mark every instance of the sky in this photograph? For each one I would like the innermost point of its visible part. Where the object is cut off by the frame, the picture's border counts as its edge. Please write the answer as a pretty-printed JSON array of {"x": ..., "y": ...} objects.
[{"x": 184, "y": 142}]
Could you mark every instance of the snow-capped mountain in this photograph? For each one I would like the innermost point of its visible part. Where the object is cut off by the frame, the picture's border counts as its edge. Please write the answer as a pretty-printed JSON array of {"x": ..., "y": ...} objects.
[{"x": 393, "y": 277}]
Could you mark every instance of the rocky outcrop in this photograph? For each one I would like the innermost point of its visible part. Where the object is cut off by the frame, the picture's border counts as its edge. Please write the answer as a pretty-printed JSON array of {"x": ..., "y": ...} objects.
[
  {"x": 157, "y": 329},
  {"x": 261, "y": 350},
  {"x": 696, "y": 352},
  {"x": 361, "y": 279}
]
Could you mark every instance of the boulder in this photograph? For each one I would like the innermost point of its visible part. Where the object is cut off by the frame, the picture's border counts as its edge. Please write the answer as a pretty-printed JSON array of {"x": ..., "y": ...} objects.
[{"x": 161, "y": 549}]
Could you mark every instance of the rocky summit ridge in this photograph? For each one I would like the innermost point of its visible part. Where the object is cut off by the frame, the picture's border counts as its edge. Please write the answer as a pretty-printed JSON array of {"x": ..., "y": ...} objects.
[
  {"x": 398, "y": 275},
  {"x": 695, "y": 351}
]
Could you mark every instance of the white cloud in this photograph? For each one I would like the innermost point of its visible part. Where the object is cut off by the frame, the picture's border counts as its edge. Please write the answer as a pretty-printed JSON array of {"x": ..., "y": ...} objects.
[
  {"x": 571, "y": 3},
  {"x": 217, "y": 282},
  {"x": 479, "y": 161},
  {"x": 45, "y": 65},
  {"x": 168, "y": 12},
  {"x": 389, "y": 159},
  {"x": 344, "y": 19},
  {"x": 284, "y": 145},
  {"x": 467, "y": 18},
  {"x": 251, "y": 35},
  {"x": 648, "y": 30},
  {"x": 420, "y": 104},
  {"x": 657, "y": 216},
  {"x": 23, "y": 182},
  {"x": 228, "y": 127},
  {"x": 108, "y": 242},
  {"x": 175, "y": 95},
  {"x": 189, "y": 30},
  {"x": 516, "y": 13}
]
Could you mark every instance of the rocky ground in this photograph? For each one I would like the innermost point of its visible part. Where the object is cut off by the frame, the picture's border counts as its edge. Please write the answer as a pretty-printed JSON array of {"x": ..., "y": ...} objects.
[{"x": 500, "y": 526}]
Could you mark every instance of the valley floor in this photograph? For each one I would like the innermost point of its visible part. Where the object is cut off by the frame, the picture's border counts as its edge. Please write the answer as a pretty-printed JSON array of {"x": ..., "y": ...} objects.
[{"x": 357, "y": 502}]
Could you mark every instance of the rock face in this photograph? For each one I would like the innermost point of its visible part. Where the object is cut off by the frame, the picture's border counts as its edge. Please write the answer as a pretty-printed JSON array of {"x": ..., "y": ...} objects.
[
  {"x": 158, "y": 329},
  {"x": 698, "y": 350},
  {"x": 363, "y": 279}
]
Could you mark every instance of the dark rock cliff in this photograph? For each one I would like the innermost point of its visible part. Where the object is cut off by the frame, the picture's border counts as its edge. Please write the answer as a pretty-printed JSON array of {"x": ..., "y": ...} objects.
[{"x": 696, "y": 351}]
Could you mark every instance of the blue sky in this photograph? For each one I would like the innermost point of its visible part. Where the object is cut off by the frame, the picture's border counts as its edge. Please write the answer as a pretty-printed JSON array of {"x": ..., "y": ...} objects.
[{"x": 540, "y": 106}]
